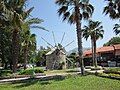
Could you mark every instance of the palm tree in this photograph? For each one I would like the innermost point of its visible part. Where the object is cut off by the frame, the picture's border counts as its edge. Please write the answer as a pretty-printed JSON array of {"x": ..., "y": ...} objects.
[
  {"x": 94, "y": 30},
  {"x": 113, "y": 10},
  {"x": 17, "y": 7},
  {"x": 74, "y": 11},
  {"x": 29, "y": 40},
  {"x": 13, "y": 11}
]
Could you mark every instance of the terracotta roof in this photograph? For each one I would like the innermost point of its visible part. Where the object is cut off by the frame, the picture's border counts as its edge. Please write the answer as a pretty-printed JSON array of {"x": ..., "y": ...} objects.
[
  {"x": 105, "y": 49},
  {"x": 87, "y": 52},
  {"x": 102, "y": 49},
  {"x": 117, "y": 46}
]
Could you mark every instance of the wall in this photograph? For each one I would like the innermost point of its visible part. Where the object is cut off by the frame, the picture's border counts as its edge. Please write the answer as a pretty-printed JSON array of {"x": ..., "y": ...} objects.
[
  {"x": 118, "y": 52},
  {"x": 53, "y": 61}
]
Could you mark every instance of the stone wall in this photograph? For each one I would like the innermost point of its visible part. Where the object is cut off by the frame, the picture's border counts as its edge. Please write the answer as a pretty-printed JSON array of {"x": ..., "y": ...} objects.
[{"x": 53, "y": 61}]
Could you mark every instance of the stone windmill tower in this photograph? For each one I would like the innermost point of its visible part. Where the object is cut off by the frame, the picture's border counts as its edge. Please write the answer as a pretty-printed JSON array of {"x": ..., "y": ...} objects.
[{"x": 56, "y": 57}]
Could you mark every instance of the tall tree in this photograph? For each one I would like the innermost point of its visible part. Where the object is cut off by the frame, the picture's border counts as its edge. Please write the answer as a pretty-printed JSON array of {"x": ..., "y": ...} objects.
[
  {"x": 5, "y": 33},
  {"x": 14, "y": 12},
  {"x": 5, "y": 46},
  {"x": 29, "y": 41},
  {"x": 18, "y": 11},
  {"x": 113, "y": 10},
  {"x": 94, "y": 30},
  {"x": 113, "y": 41},
  {"x": 74, "y": 11}
]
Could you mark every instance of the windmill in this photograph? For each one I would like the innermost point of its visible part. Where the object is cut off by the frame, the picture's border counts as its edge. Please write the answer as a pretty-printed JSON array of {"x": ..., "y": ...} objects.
[{"x": 56, "y": 57}]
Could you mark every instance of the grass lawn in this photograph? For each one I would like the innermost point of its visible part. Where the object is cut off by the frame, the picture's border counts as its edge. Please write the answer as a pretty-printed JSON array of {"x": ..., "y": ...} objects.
[{"x": 72, "y": 83}]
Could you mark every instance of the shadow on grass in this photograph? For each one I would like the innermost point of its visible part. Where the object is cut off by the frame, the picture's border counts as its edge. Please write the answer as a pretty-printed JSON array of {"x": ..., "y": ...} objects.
[
  {"x": 72, "y": 71},
  {"x": 33, "y": 81}
]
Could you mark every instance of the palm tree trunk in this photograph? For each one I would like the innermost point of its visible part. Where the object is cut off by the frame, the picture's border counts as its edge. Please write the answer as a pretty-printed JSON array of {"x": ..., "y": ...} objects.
[
  {"x": 79, "y": 38},
  {"x": 92, "y": 45},
  {"x": 15, "y": 49},
  {"x": 25, "y": 56},
  {"x": 95, "y": 59}
]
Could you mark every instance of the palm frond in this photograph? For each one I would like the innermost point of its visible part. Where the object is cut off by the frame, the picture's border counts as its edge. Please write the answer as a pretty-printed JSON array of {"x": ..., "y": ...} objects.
[
  {"x": 27, "y": 13},
  {"x": 62, "y": 10},
  {"x": 33, "y": 35},
  {"x": 67, "y": 10},
  {"x": 85, "y": 15},
  {"x": 112, "y": 9},
  {"x": 91, "y": 7},
  {"x": 93, "y": 30},
  {"x": 39, "y": 27},
  {"x": 61, "y": 2},
  {"x": 117, "y": 29},
  {"x": 106, "y": 10},
  {"x": 66, "y": 16},
  {"x": 34, "y": 21}
]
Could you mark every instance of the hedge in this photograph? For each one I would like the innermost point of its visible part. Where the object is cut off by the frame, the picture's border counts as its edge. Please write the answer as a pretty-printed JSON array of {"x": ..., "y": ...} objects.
[{"x": 30, "y": 71}]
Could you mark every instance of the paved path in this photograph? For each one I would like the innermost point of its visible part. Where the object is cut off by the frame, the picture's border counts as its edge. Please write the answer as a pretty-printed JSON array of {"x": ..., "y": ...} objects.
[
  {"x": 14, "y": 79},
  {"x": 94, "y": 71},
  {"x": 37, "y": 77},
  {"x": 48, "y": 76}
]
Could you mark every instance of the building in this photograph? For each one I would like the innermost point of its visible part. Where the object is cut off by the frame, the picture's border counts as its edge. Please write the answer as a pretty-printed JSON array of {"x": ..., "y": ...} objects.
[
  {"x": 106, "y": 56},
  {"x": 55, "y": 59}
]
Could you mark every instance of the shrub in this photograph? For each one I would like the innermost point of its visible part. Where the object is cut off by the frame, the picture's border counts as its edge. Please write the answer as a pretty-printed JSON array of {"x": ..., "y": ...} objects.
[
  {"x": 113, "y": 71},
  {"x": 111, "y": 75},
  {"x": 115, "y": 75},
  {"x": 5, "y": 72},
  {"x": 30, "y": 71},
  {"x": 38, "y": 70}
]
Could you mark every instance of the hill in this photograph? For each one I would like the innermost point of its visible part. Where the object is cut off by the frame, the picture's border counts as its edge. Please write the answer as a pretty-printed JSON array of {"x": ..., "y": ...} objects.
[{"x": 75, "y": 50}]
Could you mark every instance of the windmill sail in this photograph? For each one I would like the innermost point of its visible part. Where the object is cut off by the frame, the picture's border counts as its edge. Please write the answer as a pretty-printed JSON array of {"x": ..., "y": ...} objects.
[
  {"x": 47, "y": 42},
  {"x": 62, "y": 38},
  {"x": 68, "y": 44},
  {"x": 54, "y": 38}
]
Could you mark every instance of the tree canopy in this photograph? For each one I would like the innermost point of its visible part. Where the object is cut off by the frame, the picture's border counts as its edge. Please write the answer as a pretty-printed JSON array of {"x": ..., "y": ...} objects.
[{"x": 113, "y": 41}]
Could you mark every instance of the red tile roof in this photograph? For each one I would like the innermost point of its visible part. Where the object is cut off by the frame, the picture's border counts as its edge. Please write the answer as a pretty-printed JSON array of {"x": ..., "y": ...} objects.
[
  {"x": 117, "y": 46},
  {"x": 102, "y": 49}
]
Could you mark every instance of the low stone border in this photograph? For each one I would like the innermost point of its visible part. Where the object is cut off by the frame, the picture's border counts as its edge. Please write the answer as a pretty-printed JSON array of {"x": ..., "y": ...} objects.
[
  {"x": 114, "y": 72},
  {"x": 44, "y": 77},
  {"x": 100, "y": 75},
  {"x": 21, "y": 76}
]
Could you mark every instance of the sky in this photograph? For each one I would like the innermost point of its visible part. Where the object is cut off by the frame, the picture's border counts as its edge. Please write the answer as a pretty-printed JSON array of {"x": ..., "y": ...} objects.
[{"x": 47, "y": 10}]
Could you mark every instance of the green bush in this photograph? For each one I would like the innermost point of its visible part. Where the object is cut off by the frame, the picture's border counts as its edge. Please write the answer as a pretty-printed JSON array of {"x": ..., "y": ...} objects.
[
  {"x": 115, "y": 75},
  {"x": 112, "y": 70},
  {"x": 110, "y": 75},
  {"x": 30, "y": 71},
  {"x": 5, "y": 72},
  {"x": 38, "y": 70}
]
